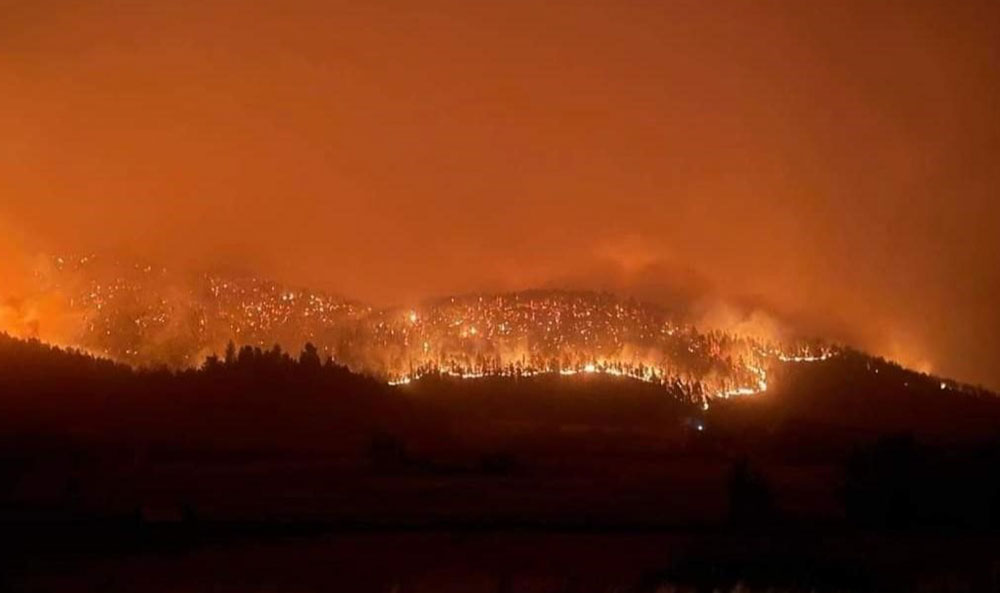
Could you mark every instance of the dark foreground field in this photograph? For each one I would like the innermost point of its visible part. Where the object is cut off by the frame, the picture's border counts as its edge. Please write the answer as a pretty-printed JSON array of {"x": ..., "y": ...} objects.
[
  {"x": 514, "y": 561},
  {"x": 271, "y": 473}
]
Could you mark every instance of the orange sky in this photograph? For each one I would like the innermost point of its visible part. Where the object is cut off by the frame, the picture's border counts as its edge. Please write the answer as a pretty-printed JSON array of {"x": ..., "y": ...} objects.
[{"x": 835, "y": 161}]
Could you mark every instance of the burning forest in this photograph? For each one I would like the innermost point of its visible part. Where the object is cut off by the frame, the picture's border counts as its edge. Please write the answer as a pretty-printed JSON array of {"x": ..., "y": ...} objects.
[{"x": 148, "y": 316}]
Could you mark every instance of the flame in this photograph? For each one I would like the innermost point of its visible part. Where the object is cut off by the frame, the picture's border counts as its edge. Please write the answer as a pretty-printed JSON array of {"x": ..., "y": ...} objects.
[
  {"x": 641, "y": 373},
  {"x": 142, "y": 315}
]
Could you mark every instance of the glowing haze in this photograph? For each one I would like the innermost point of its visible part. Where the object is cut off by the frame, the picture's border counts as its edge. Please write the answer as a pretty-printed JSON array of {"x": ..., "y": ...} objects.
[{"x": 832, "y": 162}]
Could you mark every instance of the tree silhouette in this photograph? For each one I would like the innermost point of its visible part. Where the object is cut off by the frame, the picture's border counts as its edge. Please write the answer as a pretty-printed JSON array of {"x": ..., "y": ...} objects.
[
  {"x": 230, "y": 357},
  {"x": 309, "y": 359}
]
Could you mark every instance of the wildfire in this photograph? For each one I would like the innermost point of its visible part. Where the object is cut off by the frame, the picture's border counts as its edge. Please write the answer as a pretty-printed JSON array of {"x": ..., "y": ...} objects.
[
  {"x": 145, "y": 315},
  {"x": 645, "y": 374}
]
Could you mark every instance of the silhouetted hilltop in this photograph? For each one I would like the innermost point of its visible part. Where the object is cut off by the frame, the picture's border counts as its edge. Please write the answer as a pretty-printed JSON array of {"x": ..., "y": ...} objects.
[
  {"x": 266, "y": 435},
  {"x": 272, "y": 398},
  {"x": 249, "y": 398}
]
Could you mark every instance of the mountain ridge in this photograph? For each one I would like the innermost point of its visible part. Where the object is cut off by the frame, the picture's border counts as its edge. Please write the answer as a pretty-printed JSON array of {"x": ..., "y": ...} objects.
[{"x": 147, "y": 316}]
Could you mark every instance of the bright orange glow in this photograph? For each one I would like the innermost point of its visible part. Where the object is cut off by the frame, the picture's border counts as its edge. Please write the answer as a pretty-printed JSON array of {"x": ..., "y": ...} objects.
[
  {"x": 827, "y": 164},
  {"x": 144, "y": 315}
]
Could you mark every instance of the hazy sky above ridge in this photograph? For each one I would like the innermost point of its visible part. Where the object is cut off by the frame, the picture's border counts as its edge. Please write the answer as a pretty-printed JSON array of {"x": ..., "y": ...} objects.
[{"x": 834, "y": 161}]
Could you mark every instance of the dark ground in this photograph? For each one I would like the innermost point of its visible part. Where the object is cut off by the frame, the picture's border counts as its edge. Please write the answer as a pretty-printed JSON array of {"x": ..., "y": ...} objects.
[
  {"x": 271, "y": 473},
  {"x": 515, "y": 561}
]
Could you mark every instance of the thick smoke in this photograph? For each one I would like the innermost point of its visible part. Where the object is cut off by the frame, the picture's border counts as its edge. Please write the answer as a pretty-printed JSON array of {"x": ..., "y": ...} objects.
[{"x": 829, "y": 165}]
